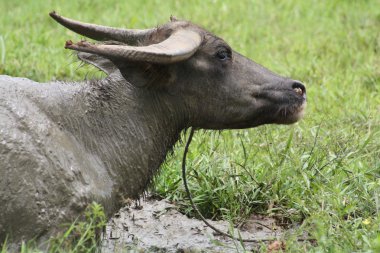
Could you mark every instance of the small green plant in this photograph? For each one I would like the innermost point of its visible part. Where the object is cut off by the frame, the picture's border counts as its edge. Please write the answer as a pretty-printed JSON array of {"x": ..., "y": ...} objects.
[
  {"x": 84, "y": 234},
  {"x": 4, "y": 247}
]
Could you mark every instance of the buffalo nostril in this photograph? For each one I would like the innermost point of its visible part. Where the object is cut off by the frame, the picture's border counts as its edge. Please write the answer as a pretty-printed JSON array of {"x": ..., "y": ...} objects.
[{"x": 299, "y": 88}]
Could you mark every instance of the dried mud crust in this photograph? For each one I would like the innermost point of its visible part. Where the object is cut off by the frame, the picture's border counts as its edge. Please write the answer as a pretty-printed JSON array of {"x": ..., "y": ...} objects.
[{"x": 159, "y": 227}]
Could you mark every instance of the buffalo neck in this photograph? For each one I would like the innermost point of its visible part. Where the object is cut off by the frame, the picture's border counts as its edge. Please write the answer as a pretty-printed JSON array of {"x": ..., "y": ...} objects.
[{"x": 130, "y": 129}]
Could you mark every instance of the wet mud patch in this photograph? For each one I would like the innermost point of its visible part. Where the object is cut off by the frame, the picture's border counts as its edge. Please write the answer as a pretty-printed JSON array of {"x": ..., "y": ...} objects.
[{"x": 157, "y": 226}]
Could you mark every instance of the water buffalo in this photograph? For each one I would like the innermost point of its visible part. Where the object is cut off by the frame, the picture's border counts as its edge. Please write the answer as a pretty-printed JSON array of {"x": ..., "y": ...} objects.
[{"x": 66, "y": 144}]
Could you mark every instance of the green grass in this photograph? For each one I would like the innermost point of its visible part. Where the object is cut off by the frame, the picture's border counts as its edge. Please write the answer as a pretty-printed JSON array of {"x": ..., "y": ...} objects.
[
  {"x": 83, "y": 235},
  {"x": 322, "y": 173}
]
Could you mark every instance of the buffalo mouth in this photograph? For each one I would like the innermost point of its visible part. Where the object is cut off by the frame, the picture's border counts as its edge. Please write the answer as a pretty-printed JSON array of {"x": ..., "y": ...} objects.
[
  {"x": 269, "y": 106},
  {"x": 288, "y": 104},
  {"x": 276, "y": 106},
  {"x": 284, "y": 113},
  {"x": 290, "y": 114}
]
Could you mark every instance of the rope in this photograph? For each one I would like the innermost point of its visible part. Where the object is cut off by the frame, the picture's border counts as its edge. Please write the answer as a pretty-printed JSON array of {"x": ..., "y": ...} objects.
[{"x": 196, "y": 208}]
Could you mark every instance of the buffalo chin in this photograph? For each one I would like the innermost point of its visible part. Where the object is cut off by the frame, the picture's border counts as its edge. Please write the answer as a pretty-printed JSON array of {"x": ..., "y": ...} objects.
[
  {"x": 285, "y": 115},
  {"x": 290, "y": 114}
]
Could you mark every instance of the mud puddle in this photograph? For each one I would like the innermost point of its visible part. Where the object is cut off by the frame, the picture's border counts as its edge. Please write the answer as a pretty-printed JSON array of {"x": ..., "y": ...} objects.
[{"x": 158, "y": 227}]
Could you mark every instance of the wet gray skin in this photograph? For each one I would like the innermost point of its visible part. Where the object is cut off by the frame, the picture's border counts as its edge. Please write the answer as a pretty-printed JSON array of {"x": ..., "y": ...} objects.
[{"x": 64, "y": 145}]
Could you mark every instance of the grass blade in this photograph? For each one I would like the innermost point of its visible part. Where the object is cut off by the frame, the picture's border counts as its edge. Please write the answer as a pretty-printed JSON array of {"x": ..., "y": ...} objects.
[{"x": 2, "y": 50}]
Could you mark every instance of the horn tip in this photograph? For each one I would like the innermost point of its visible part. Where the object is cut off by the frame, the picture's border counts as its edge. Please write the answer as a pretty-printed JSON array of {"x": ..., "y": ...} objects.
[
  {"x": 69, "y": 44},
  {"x": 53, "y": 14},
  {"x": 81, "y": 44}
]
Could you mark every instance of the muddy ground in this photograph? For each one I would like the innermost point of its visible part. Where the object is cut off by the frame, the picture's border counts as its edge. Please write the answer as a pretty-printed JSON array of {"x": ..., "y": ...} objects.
[{"x": 159, "y": 227}]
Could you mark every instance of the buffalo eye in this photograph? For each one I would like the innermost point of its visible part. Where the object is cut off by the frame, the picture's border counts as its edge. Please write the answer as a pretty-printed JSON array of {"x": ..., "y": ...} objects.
[{"x": 223, "y": 55}]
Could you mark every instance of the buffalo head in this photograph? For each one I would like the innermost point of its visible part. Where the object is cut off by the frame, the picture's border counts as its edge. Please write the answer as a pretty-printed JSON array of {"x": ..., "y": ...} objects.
[{"x": 214, "y": 86}]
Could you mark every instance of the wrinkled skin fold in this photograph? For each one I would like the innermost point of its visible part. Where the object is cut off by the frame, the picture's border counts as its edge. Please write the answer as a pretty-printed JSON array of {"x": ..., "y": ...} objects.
[{"x": 64, "y": 145}]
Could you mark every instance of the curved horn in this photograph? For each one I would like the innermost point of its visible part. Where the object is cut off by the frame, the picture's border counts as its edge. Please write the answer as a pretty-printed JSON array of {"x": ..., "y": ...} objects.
[
  {"x": 180, "y": 46},
  {"x": 99, "y": 32}
]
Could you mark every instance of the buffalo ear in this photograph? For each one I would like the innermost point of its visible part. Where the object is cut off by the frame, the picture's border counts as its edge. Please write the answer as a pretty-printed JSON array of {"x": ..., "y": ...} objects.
[
  {"x": 143, "y": 74},
  {"x": 100, "y": 62}
]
